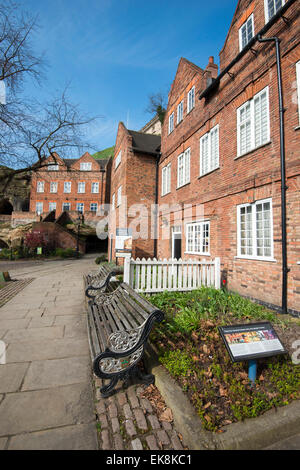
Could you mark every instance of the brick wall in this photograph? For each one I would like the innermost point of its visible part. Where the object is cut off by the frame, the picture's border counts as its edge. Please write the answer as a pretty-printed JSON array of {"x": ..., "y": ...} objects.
[
  {"x": 255, "y": 175},
  {"x": 136, "y": 175},
  {"x": 73, "y": 175}
]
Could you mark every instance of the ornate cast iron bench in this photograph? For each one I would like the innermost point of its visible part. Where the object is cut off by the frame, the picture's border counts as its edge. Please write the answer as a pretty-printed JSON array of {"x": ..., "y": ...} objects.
[
  {"x": 119, "y": 324},
  {"x": 101, "y": 279}
]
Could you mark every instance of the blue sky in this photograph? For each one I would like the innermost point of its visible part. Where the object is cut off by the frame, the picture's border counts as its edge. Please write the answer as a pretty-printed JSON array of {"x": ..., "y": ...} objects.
[{"x": 115, "y": 53}]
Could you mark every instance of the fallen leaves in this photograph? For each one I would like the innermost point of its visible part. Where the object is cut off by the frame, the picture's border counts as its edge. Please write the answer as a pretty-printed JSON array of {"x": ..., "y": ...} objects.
[{"x": 167, "y": 416}]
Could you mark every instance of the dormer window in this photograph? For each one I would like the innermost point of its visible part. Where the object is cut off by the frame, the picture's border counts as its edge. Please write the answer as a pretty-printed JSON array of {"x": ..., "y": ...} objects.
[
  {"x": 86, "y": 166},
  {"x": 246, "y": 32},
  {"x": 53, "y": 167}
]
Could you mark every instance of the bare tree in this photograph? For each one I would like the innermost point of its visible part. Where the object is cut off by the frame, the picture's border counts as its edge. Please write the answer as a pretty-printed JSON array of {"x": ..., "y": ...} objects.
[
  {"x": 17, "y": 59},
  {"x": 157, "y": 104},
  {"x": 31, "y": 131},
  {"x": 58, "y": 127}
]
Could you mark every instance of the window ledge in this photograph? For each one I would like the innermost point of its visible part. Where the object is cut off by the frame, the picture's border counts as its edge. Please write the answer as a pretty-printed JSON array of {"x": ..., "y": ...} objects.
[
  {"x": 163, "y": 195},
  {"x": 253, "y": 150},
  {"x": 196, "y": 253},
  {"x": 179, "y": 187},
  {"x": 257, "y": 258},
  {"x": 209, "y": 172}
]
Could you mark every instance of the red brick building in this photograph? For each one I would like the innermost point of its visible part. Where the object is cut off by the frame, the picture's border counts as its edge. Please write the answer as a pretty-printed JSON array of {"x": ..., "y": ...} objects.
[
  {"x": 133, "y": 177},
  {"x": 81, "y": 184},
  {"x": 221, "y": 150}
]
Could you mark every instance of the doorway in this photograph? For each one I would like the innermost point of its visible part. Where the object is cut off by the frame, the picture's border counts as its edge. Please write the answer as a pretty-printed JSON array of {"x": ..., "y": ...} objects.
[{"x": 176, "y": 242}]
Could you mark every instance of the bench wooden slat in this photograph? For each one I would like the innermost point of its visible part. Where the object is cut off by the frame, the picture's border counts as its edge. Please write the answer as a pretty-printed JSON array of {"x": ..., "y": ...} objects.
[
  {"x": 100, "y": 333},
  {"x": 127, "y": 314},
  {"x": 147, "y": 305},
  {"x": 94, "y": 342},
  {"x": 140, "y": 315},
  {"x": 131, "y": 312}
]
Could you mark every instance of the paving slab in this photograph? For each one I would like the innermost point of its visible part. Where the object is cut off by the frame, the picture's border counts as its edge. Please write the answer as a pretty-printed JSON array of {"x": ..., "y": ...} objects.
[
  {"x": 34, "y": 333},
  {"x": 11, "y": 376},
  {"x": 11, "y": 313},
  {"x": 2, "y": 333},
  {"x": 36, "y": 350},
  {"x": 57, "y": 372},
  {"x": 3, "y": 441},
  {"x": 40, "y": 322},
  {"x": 19, "y": 323},
  {"x": 59, "y": 310},
  {"x": 80, "y": 437},
  {"x": 77, "y": 329},
  {"x": 43, "y": 409},
  {"x": 69, "y": 319}
]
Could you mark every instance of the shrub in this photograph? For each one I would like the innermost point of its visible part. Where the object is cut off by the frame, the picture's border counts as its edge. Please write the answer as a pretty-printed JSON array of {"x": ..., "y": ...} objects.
[
  {"x": 101, "y": 259},
  {"x": 67, "y": 253}
]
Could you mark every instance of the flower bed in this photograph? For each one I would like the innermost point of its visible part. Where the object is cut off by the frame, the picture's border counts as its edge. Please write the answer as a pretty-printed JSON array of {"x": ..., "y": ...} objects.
[{"x": 191, "y": 349}]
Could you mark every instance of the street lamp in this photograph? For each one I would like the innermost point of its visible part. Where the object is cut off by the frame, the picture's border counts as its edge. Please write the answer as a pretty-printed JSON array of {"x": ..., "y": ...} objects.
[{"x": 78, "y": 222}]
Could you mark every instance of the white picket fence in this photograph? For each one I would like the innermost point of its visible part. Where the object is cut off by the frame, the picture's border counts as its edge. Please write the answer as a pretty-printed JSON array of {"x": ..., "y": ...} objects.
[{"x": 152, "y": 275}]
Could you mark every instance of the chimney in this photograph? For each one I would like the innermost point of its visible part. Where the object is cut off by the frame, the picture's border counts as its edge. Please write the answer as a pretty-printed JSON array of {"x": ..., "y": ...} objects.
[{"x": 212, "y": 68}]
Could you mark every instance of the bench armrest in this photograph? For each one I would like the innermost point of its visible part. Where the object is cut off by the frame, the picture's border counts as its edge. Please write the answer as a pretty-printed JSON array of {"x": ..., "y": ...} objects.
[{"x": 104, "y": 283}]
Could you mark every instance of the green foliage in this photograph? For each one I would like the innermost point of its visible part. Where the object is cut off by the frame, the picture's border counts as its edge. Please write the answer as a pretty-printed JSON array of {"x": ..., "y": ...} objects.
[
  {"x": 178, "y": 363},
  {"x": 190, "y": 347},
  {"x": 101, "y": 259},
  {"x": 68, "y": 253}
]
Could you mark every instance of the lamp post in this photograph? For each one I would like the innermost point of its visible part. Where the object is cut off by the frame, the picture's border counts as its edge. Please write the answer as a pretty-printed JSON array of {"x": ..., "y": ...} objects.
[{"x": 78, "y": 222}]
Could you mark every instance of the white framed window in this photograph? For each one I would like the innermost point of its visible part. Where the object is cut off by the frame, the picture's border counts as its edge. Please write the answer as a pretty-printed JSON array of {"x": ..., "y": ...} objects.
[
  {"x": 183, "y": 168},
  {"x": 67, "y": 186},
  {"x": 272, "y": 7},
  {"x": 180, "y": 112},
  {"x": 80, "y": 207},
  {"x": 255, "y": 230},
  {"x": 40, "y": 187},
  {"x": 171, "y": 123},
  {"x": 53, "y": 167},
  {"x": 113, "y": 200},
  {"x": 39, "y": 208},
  {"x": 166, "y": 180},
  {"x": 118, "y": 159},
  {"x": 81, "y": 187},
  {"x": 197, "y": 238},
  {"x": 119, "y": 196},
  {"x": 66, "y": 206},
  {"x": 298, "y": 86},
  {"x": 246, "y": 32},
  {"x": 209, "y": 151},
  {"x": 94, "y": 207},
  {"x": 53, "y": 187},
  {"x": 253, "y": 123},
  {"x": 52, "y": 206},
  {"x": 86, "y": 166},
  {"x": 95, "y": 188},
  {"x": 191, "y": 99}
]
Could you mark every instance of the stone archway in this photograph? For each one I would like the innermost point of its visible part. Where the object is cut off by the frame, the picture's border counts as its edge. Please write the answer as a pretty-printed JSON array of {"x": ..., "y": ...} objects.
[{"x": 6, "y": 207}]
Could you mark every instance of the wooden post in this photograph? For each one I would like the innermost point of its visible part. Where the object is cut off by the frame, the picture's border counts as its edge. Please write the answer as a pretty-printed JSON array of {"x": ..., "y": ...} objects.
[
  {"x": 217, "y": 273},
  {"x": 127, "y": 268}
]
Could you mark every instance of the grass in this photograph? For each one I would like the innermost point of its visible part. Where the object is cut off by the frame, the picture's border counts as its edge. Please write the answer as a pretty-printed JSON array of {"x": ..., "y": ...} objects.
[
  {"x": 191, "y": 349},
  {"x": 104, "y": 154}
]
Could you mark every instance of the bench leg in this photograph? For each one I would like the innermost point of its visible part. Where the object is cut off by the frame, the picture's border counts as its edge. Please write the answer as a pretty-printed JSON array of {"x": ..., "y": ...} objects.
[
  {"x": 145, "y": 378},
  {"x": 107, "y": 390}
]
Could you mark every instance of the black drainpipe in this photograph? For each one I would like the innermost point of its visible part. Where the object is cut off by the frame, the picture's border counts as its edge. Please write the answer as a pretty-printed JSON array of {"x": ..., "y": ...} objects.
[
  {"x": 285, "y": 269},
  {"x": 156, "y": 204}
]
